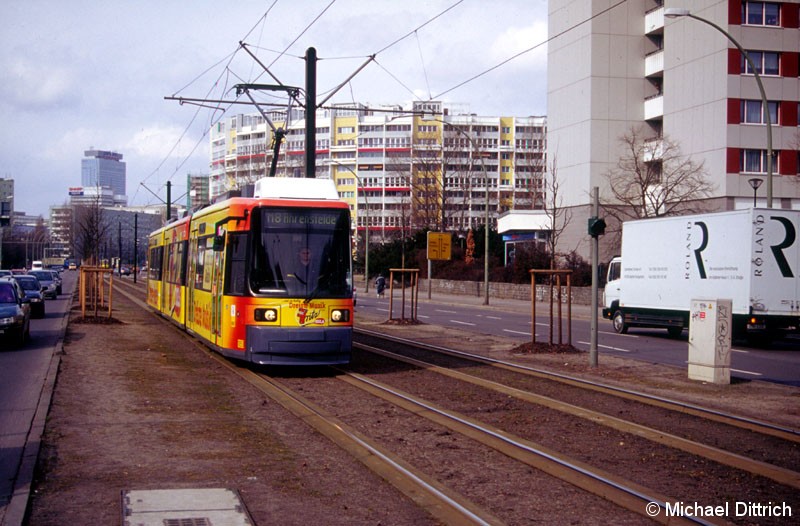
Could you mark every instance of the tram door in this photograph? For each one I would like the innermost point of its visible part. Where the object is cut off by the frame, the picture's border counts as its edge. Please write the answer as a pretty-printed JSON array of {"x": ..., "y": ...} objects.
[
  {"x": 216, "y": 293},
  {"x": 191, "y": 278},
  {"x": 162, "y": 299},
  {"x": 201, "y": 304},
  {"x": 204, "y": 295}
]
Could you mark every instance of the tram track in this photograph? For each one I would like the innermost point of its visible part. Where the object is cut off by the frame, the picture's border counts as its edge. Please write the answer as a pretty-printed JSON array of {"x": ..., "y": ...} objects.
[
  {"x": 781, "y": 475},
  {"x": 321, "y": 402},
  {"x": 762, "y": 427},
  {"x": 717, "y": 466},
  {"x": 615, "y": 489}
]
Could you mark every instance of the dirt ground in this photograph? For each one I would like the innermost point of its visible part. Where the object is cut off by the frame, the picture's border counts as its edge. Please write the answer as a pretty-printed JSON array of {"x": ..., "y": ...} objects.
[{"x": 137, "y": 406}]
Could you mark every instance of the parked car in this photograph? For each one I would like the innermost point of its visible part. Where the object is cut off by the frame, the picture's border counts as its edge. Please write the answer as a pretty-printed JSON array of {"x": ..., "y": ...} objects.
[
  {"x": 33, "y": 291},
  {"x": 15, "y": 312},
  {"x": 48, "y": 283}
]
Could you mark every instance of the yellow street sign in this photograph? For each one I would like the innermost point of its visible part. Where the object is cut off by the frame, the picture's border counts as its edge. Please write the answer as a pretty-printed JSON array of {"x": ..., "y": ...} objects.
[{"x": 439, "y": 246}]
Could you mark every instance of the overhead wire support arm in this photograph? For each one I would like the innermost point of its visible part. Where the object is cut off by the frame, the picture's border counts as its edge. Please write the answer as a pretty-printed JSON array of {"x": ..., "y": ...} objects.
[
  {"x": 201, "y": 102},
  {"x": 244, "y": 88},
  {"x": 348, "y": 79},
  {"x": 280, "y": 133},
  {"x": 280, "y": 84}
]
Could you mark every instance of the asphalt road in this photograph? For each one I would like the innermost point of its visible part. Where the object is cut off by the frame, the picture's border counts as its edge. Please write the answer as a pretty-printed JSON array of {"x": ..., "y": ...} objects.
[
  {"x": 26, "y": 375},
  {"x": 779, "y": 362}
]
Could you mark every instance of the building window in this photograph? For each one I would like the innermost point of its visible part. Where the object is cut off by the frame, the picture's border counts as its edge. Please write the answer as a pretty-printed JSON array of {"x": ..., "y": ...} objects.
[
  {"x": 752, "y": 112},
  {"x": 755, "y": 161},
  {"x": 761, "y": 13},
  {"x": 766, "y": 62}
]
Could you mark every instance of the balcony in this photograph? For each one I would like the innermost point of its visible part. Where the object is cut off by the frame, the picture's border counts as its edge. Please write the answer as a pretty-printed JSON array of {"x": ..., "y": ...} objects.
[
  {"x": 654, "y": 21},
  {"x": 654, "y": 108},
  {"x": 654, "y": 64},
  {"x": 653, "y": 150}
]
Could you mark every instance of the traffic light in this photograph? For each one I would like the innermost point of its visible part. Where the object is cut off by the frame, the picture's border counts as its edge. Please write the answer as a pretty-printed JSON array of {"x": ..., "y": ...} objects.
[{"x": 597, "y": 226}]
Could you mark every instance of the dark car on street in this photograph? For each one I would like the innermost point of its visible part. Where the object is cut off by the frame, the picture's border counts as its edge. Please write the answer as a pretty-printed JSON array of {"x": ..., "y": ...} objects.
[
  {"x": 15, "y": 313},
  {"x": 48, "y": 283},
  {"x": 33, "y": 291}
]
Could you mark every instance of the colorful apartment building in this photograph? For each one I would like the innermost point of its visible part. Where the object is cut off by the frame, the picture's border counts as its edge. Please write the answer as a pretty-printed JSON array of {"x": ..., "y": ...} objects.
[{"x": 401, "y": 169}]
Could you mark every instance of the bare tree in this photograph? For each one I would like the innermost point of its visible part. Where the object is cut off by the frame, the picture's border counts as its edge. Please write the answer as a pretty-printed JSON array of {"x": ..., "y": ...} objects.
[
  {"x": 653, "y": 178},
  {"x": 427, "y": 191},
  {"x": 91, "y": 231},
  {"x": 560, "y": 216},
  {"x": 442, "y": 181},
  {"x": 529, "y": 181}
]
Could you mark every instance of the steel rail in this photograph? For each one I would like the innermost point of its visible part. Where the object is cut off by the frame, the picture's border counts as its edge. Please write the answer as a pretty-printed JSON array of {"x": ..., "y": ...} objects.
[
  {"x": 759, "y": 426},
  {"x": 781, "y": 475},
  {"x": 440, "y": 501},
  {"x": 621, "y": 492}
]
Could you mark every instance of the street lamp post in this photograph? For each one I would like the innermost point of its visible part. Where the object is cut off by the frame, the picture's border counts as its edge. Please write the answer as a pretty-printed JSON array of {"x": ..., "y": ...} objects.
[
  {"x": 366, "y": 217},
  {"x": 755, "y": 182},
  {"x": 486, "y": 211},
  {"x": 674, "y": 12}
]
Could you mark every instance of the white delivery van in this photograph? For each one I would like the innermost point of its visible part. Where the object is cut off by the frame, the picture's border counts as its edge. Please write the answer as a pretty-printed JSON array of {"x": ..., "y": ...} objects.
[{"x": 749, "y": 256}]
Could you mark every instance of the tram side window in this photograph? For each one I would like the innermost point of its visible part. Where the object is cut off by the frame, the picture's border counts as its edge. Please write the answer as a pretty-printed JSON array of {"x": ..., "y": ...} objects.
[
  {"x": 156, "y": 258},
  {"x": 235, "y": 280},
  {"x": 176, "y": 263},
  {"x": 204, "y": 263},
  {"x": 172, "y": 267},
  {"x": 183, "y": 250}
]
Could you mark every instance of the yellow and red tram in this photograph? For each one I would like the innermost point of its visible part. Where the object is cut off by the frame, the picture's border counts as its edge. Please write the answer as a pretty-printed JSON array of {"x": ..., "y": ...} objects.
[{"x": 265, "y": 279}]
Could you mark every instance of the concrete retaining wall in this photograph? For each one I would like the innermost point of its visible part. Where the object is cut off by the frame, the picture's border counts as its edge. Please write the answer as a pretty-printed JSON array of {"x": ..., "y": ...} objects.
[{"x": 580, "y": 295}]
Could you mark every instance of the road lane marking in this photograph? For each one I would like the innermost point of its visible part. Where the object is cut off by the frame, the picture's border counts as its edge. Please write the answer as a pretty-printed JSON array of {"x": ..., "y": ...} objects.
[
  {"x": 612, "y": 333},
  {"x": 462, "y": 323},
  {"x": 446, "y": 311},
  {"x": 607, "y": 347},
  {"x": 746, "y": 372},
  {"x": 517, "y": 332},
  {"x": 738, "y": 371}
]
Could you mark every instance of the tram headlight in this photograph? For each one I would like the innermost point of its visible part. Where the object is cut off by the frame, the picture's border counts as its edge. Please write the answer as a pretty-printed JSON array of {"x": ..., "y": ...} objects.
[
  {"x": 340, "y": 315},
  {"x": 266, "y": 315}
]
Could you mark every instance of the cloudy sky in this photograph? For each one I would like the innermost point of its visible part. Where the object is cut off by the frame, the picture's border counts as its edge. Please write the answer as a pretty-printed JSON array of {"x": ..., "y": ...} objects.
[{"x": 90, "y": 74}]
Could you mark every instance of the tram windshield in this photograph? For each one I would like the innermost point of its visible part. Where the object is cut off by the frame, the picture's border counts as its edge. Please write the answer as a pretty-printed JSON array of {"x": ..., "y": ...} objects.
[{"x": 301, "y": 252}]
